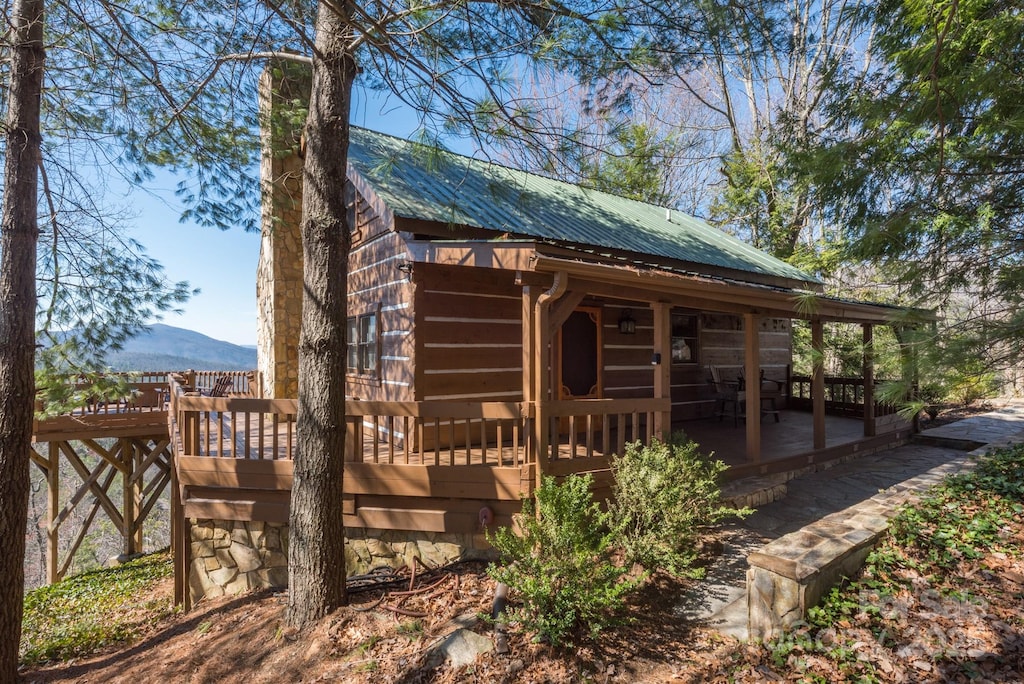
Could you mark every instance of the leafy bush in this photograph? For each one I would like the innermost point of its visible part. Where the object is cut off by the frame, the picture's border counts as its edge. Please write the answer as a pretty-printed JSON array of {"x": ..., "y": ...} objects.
[
  {"x": 666, "y": 498},
  {"x": 560, "y": 563},
  {"x": 86, "y": 612}
]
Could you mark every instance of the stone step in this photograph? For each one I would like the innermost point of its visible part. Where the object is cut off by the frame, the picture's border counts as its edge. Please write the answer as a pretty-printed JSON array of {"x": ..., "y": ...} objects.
[{"x": 753, "y": 492}]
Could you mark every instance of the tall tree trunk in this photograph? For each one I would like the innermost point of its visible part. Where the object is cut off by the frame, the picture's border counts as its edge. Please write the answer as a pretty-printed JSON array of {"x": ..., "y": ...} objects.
[
  {"x": 19, "y": 232},
  {"x": 316, "y": 557}
]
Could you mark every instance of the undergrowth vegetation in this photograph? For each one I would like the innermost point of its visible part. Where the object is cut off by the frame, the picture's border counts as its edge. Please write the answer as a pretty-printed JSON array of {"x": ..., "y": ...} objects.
[
  {"x": 569, "y": 562},
  {"x": 938, "y": 598},
  {"x": 666, "y": 498},
  {"x": 560, "y": 563},
  {"x": 86, "y": 612}
]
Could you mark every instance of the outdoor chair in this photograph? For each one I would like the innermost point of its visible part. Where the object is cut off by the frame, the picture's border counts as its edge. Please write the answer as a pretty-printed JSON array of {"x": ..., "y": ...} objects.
[
  {"x": 727, "y": 396},
  {"x": 732, "y": 395},
  {"x": 771, "y": 390},
  {"x": 222, "y": 386}
]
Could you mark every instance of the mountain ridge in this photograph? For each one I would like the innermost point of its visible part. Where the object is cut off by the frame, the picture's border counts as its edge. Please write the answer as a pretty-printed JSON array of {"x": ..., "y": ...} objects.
[{"x": 166, "y": 347}]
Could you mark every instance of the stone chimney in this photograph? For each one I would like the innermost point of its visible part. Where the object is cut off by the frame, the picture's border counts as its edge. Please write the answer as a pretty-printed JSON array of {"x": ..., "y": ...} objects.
[{"x": 283, "y": 93}]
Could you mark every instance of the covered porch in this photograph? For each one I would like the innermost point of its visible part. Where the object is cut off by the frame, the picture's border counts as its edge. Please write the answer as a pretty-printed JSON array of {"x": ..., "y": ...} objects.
[{"x": 559, "y": 285}]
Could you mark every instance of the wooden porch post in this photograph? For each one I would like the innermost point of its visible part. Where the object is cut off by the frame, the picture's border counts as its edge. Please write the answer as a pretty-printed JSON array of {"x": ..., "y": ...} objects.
[
  {"x": 128, "y": 510},
  {"x": 818, "y": 383},
  {"x": 542, "y": 370},
  {"x": 752, "y": 371},
  {"x": 869, "y": 380},
  {"x": 530, "y": 295},
  {"x": 663, "y": 370}
]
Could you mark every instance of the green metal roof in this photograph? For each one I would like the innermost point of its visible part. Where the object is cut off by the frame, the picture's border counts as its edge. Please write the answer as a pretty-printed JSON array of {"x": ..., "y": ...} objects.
[{"x": 437, "y": 186}]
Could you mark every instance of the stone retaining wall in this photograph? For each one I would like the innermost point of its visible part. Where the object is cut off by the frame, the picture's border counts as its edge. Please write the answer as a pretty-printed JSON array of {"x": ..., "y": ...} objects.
[
  {"x": 788, "y": 576},
  {"x": 230, "y": 557},
  {"x": 791, "y": 574}
]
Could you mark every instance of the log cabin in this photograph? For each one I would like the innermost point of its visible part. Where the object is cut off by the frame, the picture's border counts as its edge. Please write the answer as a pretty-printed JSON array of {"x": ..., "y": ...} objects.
[{"x": 502, "y": 326}]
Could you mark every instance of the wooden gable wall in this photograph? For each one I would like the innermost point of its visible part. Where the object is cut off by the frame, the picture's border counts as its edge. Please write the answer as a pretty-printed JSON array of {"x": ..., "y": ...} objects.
[{"x": 379, "y": 282}]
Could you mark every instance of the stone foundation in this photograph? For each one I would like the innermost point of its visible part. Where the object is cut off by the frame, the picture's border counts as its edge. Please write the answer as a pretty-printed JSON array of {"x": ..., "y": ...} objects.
[{"x": 231, "y": 557}]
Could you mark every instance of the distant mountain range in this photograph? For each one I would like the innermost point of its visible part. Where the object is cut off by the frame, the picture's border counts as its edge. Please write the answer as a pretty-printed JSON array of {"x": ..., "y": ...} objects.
[{"x": 165, "y": 347}]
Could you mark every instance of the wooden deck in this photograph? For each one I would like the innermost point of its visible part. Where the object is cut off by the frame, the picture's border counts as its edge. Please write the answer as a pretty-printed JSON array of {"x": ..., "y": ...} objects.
[
  {"x": 428, "y": 466},
  {"x": 788, "y": 444}
]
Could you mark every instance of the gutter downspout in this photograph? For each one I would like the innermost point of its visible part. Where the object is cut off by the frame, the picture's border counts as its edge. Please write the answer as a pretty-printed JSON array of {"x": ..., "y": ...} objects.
[{"x": 542, "y": 375}]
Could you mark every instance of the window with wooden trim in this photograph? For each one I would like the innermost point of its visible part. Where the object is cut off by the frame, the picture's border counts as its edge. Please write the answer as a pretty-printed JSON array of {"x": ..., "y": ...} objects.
[
  {"x": 684, "y": 338},
  {"x": 363, "y": 345}
]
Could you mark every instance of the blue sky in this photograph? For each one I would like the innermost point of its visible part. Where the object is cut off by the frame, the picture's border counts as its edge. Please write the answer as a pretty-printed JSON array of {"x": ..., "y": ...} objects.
[{"x": 222, "y": 264}]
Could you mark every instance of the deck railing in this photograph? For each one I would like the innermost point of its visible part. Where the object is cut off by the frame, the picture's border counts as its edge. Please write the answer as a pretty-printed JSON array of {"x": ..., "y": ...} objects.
[
  {"x": 243, "y": 383},
  {"x": 428, "y": 433},
  {"x": 843, "y": 396},
  {"x": 136, "y": 393},
  {"x": 423, "y": 433},
  {"x": 584, "y": 433},
  {"x": 439, "y": 432}
]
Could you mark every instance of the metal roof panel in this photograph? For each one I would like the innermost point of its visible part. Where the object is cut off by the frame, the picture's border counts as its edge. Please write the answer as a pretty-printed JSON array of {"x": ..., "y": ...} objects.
[{"x": 438, "y": 186}]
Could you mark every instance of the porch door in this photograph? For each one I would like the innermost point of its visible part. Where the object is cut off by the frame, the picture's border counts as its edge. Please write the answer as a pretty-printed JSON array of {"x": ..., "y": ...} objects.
[{"x": 579, "y": 355}]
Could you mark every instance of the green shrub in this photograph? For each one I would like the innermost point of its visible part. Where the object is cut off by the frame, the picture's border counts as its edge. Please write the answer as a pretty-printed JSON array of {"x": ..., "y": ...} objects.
[
  {"x": 666, "y": 498},
  {"x": 559, "y": 565}
]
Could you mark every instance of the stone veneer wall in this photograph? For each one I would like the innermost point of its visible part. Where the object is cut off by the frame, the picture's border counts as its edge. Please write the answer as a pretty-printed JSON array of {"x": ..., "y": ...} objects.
[
  {"x": 279, "y": 272},
  {"x": 233, "y": 557}
]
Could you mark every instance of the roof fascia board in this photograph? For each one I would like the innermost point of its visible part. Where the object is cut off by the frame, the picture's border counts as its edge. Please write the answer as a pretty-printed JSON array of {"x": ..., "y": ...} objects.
[
  {"x": 634, "y": 260},
  {"x": 607, "y": 255},
  {"x": 687, "y": 301},
  {"x": 371, "y": 197},
  {"x": 754, "y": 298}
]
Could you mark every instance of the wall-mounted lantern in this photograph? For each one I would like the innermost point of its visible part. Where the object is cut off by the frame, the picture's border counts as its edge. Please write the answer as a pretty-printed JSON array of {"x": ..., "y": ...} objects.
[{"x": 627, "y": 326}]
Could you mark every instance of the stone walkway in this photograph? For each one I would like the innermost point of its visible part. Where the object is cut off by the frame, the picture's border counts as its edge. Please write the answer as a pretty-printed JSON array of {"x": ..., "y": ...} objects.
[{"x": 882, "y": 481}]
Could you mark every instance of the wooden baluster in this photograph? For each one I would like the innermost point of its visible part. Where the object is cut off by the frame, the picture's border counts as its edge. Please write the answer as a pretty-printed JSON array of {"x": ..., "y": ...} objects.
[
  {"x": 572, "y": 437},
  {"x": 391, "y": 438},
  {"x": 620, "y": 421},
  {"x": 590, "y": 435},
  {"x": 451, "y": 441},
  {"x": 261, "y": 427},
  {"x": 406, "y": 437},
  {"x": 499, "y": 442},
  {"x": 275, "y": 424},
  {"x": 206, "y": 424}
]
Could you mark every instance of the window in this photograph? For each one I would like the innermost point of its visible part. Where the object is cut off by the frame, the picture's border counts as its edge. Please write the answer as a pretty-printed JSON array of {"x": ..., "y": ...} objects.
[
  {"x": 684, "y": 338},
  {"x": 362, "y": 345}
]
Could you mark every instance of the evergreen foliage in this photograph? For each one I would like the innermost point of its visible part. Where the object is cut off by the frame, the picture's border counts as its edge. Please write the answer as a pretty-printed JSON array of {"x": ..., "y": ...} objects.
[
  {"x": 666, "y": 498},
  {"x": 560, "y": 565},
  {"x": 926, "y": 175}
]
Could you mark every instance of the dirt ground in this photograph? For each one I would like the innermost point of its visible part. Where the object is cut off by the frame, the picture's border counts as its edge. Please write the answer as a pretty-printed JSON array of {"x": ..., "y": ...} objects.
[
  {"x": 935, "y": 636},
  {"x": 388, "y": 638}
]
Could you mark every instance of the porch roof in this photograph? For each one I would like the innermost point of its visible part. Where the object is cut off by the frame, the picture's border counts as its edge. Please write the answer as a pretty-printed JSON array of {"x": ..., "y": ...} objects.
[
  {"x": 655, "y": 282},
  {"x": 425, "y": 184}
]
